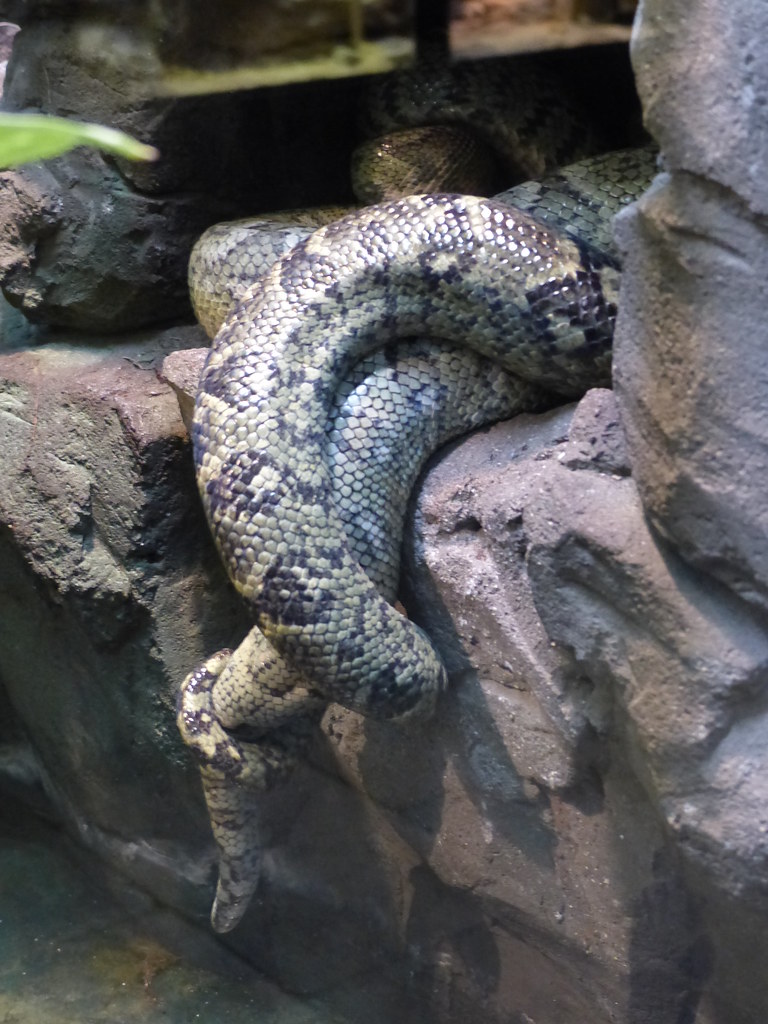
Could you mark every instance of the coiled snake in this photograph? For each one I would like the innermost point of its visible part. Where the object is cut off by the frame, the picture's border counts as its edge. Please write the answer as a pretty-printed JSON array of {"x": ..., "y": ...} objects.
[{"x": 311, "y": 427}]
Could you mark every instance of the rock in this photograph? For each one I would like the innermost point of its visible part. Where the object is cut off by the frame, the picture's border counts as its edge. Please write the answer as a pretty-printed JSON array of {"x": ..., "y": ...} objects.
[
  {"x": 641, "y": 668},
  {"x": 691, "y": 390},
  {"x": 514, "y": 850},
  {"x": 83, "y": 246},
  {"x": 690, "y": 376},
  {"x": 96, "y": 496},
  {"x": 100, "y": 244},
  {"x": 689, "y": 363},
  {"x": 580, "y": 832},
  {"x": 483, "y": 616},
  {"x": 664, "y": 648},
  {"x": 477, "y": 853},
  {"x": 119, "y": 275},
  {"x": 181, "y": 369},
  {"x": 595, "y": 438},
  {"x": 709, "y": 121}
]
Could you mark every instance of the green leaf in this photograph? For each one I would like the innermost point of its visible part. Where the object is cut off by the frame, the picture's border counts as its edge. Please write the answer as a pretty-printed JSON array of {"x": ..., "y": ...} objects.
[{"x": 25, "y": 137}]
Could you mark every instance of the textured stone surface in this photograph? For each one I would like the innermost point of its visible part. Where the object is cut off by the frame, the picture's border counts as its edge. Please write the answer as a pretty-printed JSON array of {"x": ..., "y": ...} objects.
[
  {"x": 81, "y": 246},
  {"x": 118, "y": 275},
  {"x": 690, "y": 366},
  {"x": 474, "y": 545},
  {"x": 685, "y": 664},
  {"x": 495, "y": 797},
  {"x": 691, "y": 389},
  {"x": 662, "y": 671},
  {"x": 98, "y": 244},
  {"x": 709, "y": 120},
  {"x": 497, "y": 854},
  {"x": 504, "y": 854},
  {"x": 94, "y": 500},
  {"x": 542, "y": 845}
]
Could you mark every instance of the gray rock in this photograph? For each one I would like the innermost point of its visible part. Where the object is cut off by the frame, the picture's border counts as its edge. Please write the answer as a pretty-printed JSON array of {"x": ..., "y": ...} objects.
[
  {"x": 657, "y": 676},
  {"x": 517, "y": 850},
  {"x": 675, "y": 660},
  {"x": 121, "y": 274},
  {"x": 482, "y": 614},
  {"x": 690, "y": 375},
  {"x": 181, "y": 369},
  {"x": 110, "y": 591},
  {"x": 95, "y": 496},
  {"x": 481, "y": 854},
  {"x": 100, "y": 244},
  {"x": 689, "y": 362},
  {"x": 702, "y": 76},
  {"x": 89, "y": 242},
  {"x": 596, "y": 438}
]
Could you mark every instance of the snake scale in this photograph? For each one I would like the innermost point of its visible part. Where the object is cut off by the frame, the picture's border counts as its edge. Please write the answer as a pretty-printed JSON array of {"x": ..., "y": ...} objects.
[{"x": 315, "y": 414}]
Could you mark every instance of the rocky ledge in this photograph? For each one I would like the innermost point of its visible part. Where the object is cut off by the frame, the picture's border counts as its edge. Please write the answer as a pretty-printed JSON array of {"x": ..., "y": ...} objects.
[{"x": 545, "y": 839}]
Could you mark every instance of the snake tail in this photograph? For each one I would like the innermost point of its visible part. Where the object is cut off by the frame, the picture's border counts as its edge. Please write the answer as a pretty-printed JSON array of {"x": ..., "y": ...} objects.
[{"x": 235, "y": 771}]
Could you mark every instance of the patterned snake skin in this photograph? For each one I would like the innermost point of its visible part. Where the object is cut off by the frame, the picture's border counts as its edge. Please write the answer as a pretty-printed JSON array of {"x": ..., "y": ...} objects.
[{"x": 310, "y": 429}]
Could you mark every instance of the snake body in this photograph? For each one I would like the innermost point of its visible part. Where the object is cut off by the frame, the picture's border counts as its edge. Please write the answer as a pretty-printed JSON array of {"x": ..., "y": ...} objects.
[
  {"x": 507, "y": 282},
  {"x": 375, "y": 448},
  {"x": 303, "y": 386}
]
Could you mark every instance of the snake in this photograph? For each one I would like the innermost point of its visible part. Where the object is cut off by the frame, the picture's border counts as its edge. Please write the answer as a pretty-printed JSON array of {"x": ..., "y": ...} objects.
[{"x": 334, "y": 376}]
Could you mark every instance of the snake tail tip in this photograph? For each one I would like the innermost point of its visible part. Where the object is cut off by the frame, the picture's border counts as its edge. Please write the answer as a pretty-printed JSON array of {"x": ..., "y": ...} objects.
[
  {"x": 228, "y": 910},
  {"x": 223, "y": 921}
]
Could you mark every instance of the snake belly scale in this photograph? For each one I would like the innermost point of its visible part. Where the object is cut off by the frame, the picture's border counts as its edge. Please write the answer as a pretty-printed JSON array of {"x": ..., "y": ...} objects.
[{"x": 528, "y": 281}]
